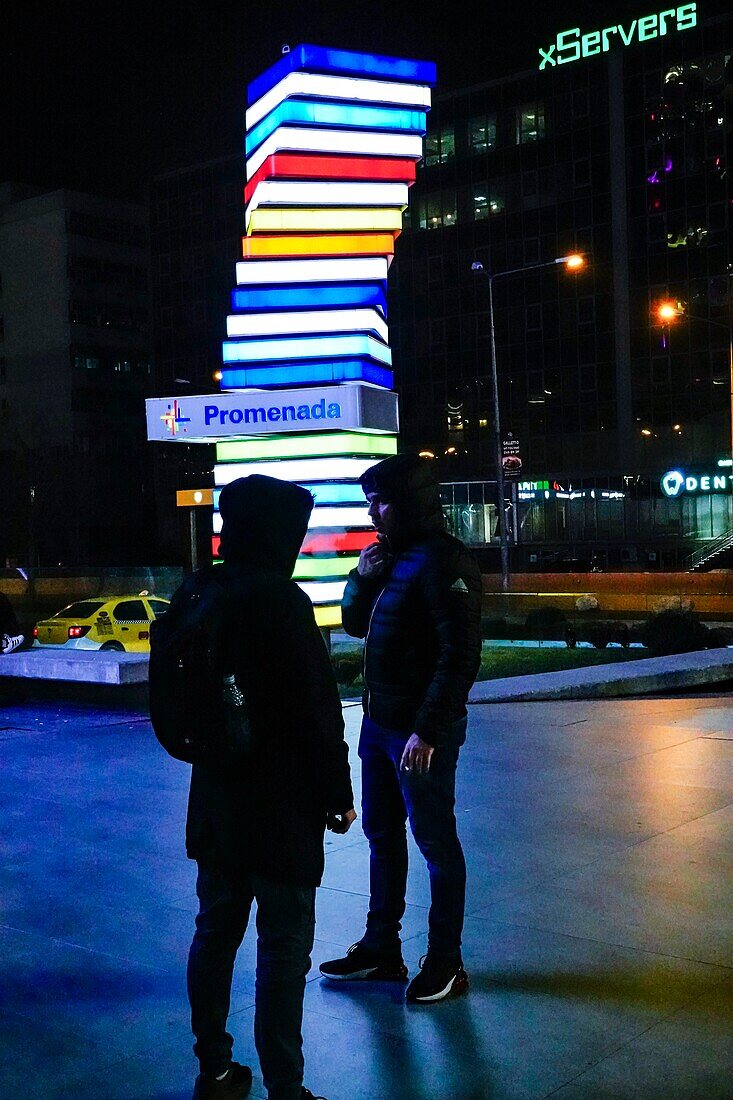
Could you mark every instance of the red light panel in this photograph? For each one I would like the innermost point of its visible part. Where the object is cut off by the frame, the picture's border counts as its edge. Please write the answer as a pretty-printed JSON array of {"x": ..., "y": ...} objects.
[{"x": 323, "y": 166}]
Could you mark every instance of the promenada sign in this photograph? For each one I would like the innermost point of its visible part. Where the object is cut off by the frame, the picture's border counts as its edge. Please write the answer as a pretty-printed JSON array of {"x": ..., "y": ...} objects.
[
  {"x": 209, "y": 417},
  {"x": 573, "y": 44}
]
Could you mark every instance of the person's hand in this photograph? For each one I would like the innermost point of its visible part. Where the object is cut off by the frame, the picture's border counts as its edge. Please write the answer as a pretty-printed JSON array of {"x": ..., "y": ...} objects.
[
  {"x": 341, "y": 823},
  {"x": 417, "y": 755},
  {"x": 374, "y": 560}
]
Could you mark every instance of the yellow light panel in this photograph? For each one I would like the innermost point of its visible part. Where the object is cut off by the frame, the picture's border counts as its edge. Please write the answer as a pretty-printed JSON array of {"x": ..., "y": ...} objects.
[
  {"x": 326, "y": 219},
  {"x": 311, "y": 568},
  {"x": 302, "y": 446},
  {"x": 328, "y": 615},
  {"x": 337, "y": 244}
]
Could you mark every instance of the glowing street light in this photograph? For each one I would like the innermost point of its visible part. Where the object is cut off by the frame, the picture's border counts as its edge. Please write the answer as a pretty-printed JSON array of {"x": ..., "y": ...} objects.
[
  {"x": 573, "y": 261},
  {"x": 668, "y": 311}
]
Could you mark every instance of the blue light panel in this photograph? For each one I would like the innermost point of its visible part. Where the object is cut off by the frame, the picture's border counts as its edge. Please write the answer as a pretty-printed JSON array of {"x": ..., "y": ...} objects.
[
  {"x": 300, "y": 296},
  {"x": 343, "y": 116},
  {"x": 321, "y": 59},
  {"x": 304, "y": 374}
]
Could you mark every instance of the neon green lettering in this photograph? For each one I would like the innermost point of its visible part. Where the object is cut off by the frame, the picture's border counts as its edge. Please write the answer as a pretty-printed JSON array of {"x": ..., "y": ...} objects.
[
  {"x": 686, "y": 17},
  {"x": 605, "y": 35},
  {"x": 591, "y": 43},
  {"x": 627, "y": 35},
  {"x": 648, "y": 27},
  {"x": 663, "y": 19},
  {"x": 568, "y": 40}
]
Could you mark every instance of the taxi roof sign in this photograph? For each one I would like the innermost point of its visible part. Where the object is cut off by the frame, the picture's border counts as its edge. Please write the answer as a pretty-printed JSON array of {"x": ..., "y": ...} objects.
[{"x": 192, "y": 498}]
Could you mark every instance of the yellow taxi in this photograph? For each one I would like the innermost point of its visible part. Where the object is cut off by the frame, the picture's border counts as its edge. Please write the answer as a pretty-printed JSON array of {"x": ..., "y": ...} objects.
[{"x": 120, "y": 623}]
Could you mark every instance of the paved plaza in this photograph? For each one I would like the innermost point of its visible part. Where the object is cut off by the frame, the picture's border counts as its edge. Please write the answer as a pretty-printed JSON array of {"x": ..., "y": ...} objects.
[{"x": 599, "y": 936}]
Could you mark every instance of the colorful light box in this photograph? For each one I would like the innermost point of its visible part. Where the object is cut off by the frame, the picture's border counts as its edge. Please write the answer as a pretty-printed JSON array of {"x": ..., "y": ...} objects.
[
  {"x": 315, "y": 445},
  {"x": 355, "y": 142},
  {"x": 312, "y": 296},
  {"x": 346, "y": 345},
  {"x": 313, "y": 373},
  {"x": 331, "y": 270},
  {"x": 318, "y": 166},
  {"x": 324, "y": 59},
  {"x": 332, "y": 245},
  {"x": 341, "y": 116},
  {"x": 344, "y": 88},
  {"x": 333, "y": 137},
  {"x": 325, "y": 219},
  {"x": 307, "y": 322},
  {"x": 326, "y": 193}
]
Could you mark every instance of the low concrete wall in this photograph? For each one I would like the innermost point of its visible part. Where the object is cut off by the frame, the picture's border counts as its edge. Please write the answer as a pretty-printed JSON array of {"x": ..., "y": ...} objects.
[
  {"x": 76, "y": 666},
  {"x": 647, "y": 676},
  {"x": 635, "y": 595}
]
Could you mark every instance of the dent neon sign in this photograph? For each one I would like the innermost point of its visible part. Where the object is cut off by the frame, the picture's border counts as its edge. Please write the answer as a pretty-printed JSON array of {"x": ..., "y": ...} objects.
[
  {"x": 676, "y": 482},
  {"x": 572, "y": 45}
]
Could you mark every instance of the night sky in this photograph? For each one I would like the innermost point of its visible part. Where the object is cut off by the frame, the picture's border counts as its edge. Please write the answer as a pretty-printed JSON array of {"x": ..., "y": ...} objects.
[{"x": 101, "y": 97}]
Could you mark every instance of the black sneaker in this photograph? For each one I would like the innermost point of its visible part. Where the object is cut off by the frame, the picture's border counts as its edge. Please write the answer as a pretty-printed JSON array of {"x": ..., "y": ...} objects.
[
  {"x": 438, "y": 979},
  {"x": 363, "y": 964},
  {"x": 235, "y": 1086}
]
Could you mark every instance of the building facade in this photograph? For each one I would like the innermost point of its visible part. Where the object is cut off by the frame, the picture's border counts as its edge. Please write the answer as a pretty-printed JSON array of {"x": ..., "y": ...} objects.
[
  {"x": 623, "y": 156},
  {"x": 196, "y": 229},
  {"x": 75, "y": 368}
]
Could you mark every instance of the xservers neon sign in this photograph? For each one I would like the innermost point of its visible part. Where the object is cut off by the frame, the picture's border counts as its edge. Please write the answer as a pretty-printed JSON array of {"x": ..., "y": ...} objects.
[{"x": 572, "y": 45}]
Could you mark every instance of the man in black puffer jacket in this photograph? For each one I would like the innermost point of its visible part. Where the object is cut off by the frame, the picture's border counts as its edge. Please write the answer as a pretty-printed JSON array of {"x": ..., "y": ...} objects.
[
  {"x": 416, "y": 598},
  {"x": 256, "y": 830}
]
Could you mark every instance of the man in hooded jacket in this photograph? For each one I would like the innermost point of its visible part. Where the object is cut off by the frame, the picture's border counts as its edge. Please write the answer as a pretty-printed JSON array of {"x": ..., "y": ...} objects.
[
  {"x": 256, "y": 831},
  {"x": 416, "y": 598}
]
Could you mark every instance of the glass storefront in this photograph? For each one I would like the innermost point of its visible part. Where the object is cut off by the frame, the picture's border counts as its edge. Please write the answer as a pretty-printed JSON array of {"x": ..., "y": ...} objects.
[{"x": 599, "y": 510}]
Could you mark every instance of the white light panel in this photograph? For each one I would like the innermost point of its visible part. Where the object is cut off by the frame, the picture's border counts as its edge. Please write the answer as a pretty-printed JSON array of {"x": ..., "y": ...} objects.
[
  {"x": 336, "y": 193},
  {"x": 297, "y": 469},
  {"x": 358, "y": 142},
  {"x": 345, "y": 88},
  {"x": 307, "y": 322},
  {"x": 323, "y": 591},
  {"x": 354, "y": 269}
]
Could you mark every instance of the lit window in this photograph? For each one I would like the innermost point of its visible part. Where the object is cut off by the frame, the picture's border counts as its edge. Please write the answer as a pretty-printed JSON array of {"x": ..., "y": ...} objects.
[
  {"x": 530, "y": 122},
  {"x": 437, "y": 210},
  {"x": 482, "y": 133},
  {"x": 440, "y": 146},
  {"x": 487, "y": 201}
]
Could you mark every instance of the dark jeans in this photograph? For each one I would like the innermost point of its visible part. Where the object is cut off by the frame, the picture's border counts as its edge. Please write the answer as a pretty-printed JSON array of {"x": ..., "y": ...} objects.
[
  {"x": 285, "y": 930},
  {"x": 389, "y": 797}
]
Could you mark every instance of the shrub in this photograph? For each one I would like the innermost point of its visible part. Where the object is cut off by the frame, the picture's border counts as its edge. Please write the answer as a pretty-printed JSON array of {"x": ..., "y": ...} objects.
[
  {"x": 719, "y": 636},
  {"x": 673, "y": 632},
  {"x": 493, "y": 628},
  {"x": 546, "y": 623},
  {"x": 346, "y": 669},
  {"x": 586, "y": 603},
  {"x": 599, "y": 634}
]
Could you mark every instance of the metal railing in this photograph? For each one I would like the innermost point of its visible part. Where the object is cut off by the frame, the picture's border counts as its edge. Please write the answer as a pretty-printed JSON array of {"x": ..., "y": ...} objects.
[{"x": 711, "y": 550}]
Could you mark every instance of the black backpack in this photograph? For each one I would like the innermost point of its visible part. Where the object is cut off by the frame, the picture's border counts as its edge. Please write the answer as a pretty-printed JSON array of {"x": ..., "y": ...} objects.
[{"x": 186, "y": 669}]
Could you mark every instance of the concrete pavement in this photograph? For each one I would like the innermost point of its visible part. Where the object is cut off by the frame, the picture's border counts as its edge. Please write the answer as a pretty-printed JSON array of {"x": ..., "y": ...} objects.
[{"x": 599, "y": 936}]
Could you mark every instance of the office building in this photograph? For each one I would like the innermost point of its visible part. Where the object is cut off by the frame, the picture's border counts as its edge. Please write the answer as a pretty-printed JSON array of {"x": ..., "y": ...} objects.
[{"x": 75, "y": 368}]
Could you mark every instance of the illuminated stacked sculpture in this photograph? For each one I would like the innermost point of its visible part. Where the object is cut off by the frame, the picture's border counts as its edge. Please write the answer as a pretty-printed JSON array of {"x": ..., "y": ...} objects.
[{"x": 332, "y": 141}]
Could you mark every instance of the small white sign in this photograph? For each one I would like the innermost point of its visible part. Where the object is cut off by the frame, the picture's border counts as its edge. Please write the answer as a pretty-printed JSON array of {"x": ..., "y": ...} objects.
[{"x": 207, "y": 418}]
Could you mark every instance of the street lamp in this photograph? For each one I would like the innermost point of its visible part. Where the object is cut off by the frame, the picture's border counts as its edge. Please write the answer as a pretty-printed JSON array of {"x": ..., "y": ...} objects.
[
  {"x": 573, "y": 262},
  {"x": 669, "y": 312}
]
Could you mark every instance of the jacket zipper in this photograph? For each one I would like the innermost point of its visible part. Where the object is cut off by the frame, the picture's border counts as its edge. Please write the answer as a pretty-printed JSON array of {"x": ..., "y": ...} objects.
[{"x": 366, "y": 642}]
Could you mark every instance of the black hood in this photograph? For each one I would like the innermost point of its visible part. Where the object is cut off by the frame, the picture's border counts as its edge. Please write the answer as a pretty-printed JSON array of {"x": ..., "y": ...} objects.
[
  {"x": 264, "y": 522},
  {"x": 409, "y": 482}
]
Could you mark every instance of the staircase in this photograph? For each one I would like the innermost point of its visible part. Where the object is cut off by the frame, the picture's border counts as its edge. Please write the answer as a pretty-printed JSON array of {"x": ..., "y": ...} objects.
[{"x": 707, "y": 554}]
